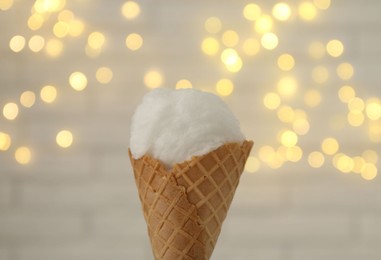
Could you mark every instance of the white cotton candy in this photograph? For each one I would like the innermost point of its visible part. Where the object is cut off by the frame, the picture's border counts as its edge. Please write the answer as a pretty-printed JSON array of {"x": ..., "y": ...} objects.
[{"x": 174, "y": 125}]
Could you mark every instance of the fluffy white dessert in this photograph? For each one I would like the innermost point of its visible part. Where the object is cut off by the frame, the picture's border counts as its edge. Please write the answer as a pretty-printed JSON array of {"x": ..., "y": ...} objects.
[{"x": 175, "y": 125}]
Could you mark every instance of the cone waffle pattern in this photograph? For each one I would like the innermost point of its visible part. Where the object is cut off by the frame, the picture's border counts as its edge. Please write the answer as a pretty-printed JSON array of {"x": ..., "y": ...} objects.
[{"x": 184, "y": 208}]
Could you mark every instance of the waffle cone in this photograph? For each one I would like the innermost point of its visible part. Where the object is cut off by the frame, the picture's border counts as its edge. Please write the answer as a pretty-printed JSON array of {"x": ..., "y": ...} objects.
[{"x": 185, "y": 207}]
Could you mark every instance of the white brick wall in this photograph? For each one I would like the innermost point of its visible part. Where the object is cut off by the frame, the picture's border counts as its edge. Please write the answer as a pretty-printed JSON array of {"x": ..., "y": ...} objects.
[{"x": 81, "y": 203}]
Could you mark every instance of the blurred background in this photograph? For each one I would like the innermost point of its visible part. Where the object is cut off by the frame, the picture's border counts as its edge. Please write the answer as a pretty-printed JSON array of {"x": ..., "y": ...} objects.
[{"x": 302, "y": 76}]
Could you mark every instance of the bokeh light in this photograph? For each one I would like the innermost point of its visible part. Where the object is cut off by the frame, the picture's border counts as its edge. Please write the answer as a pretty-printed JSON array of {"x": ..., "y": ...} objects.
[
  {"x": 346, "y": 93},
  {"x": 54, "y": 47},
  {"x": 269, "y": 41},
  {"x": 320, "y": 74},
  {"x": 134, "y": 41},
  {"x": 369, "y": 171},
  {"x": 36, "y": 43},
  {"x": 312, "y": 98},
  {"x": 286, "y": 62},
  {"x": 6, "y": 4},
  {"x": 210, "y": 46},
  {"x": 153, "y": 79},
  {"x": 23, "y": 155},
  {"x": 289, "y": 138},
  {"x": 281, "y": 11},
  {"x": 10, "y": 111},
  {"x": 104, "y": 75},
  {"x": 96, "y": 40},
  {"x": 251, "y": 46},
  {"x": 64, "y": 138},
  {"x": 370, "y": 156},
  {"x": 224, "y": 87},
  {"x": 48, "y": 94},
  {"x": 335, "y": 48},
  {"x": 17, "y": 43},
  {"x": 286, "y": 114},
  {"x": 345, "y": 71},
  {"x": 78, "y": 81},
  {"x": 271, "y": 100},
  {"x": 5, "y": 141},
  {"x": 61, "y": 29},
  {"x": 373, "y": 109},
  {"x": 252, "y": 164},
  {"x": 213, "y": 25},
  {"x": 183, "y": 83},
  {"x": 231, "y": 59},
  {"x": 27, "y": 99},
  {"x": 230, "y": 38},
  {"x": 252, "y": 12},
  {"x": 316, "y": 159},
  {"x": 35, "y": 21},
  {"x": 264, "y": 24},
  {"x": 307, "y": 11},
  {"x": 287, "y": 86},
  {"x": 322, "y": 4},
  {"x": 330, "y": 146},
  {"x": 130, "y": 10},
  {"x": 317, "y": 50}
]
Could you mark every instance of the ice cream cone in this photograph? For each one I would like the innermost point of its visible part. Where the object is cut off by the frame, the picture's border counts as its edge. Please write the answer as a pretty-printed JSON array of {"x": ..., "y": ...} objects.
[{"x": 185, "y": 207}]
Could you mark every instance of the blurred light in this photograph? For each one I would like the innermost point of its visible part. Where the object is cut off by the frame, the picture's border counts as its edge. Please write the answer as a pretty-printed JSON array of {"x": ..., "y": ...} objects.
[
  {"x": 104, "y": 75},
  {"x": 35, "y": 22},
  {"x": 264, "y": 24},
  {"x": 230, "y": 38},
  {"x": 286, "y": 62},
  {"x": 134, "y": 41},
  {"x": 252, "y": 164},
  {"x": 23, "y": 155},
  {"x": 289, "y": 138},
  {"x": 375, "y": 133},
  {"x": 373, "y": 109},
  {"x": 356, "y": 105},
  {"x": 266, "y": 153},
  {"x": 316, "y": 159},
  {"x": 358, "y": 164},
  {"x": 330, "y": 146},
  {"x": 346, "y": 93},
  {"x": 269, "y": 41},
  {"x": 251, "y": 47},
  {"x": 294, "y": 154},
  {"x": 213, "y": 25},
  {"x": 316, "y": 50},
  {"x": 17, "y": 43},
  {"x": 271, "y": 101},
  {"x": 252, "y": 12},
  {"x": 312, "y": 98},
  {"x": 96, "y": 40},
  {"x": 343, "y": 163},
  {"x": 64, "y": 138},
  {"x": 76, "y": 28},
  {"x": 5, "y": 141},
  {"x": 231, "y": 60},
  {"x": 65, "y": 16},
  {"x": 322, "y": 4},
  {"x": 301, "y": 126},
  {"x": 61, "y": 29},
  {"x": 369, "y": 171},
  {"x": 300, "y": 114},
  {"x": 130, "y": 10},
  {"x": 5, "y": 4},
  {"x": 44, "y": 6},
  {"x": 370, "y": 156},
  {"x": 48, "y": 94},
  {"x": 224, "y": 87},
  {"x": 78, "y": 81},
  {"x": 36, "y": 43},
  {"x": 320, "y": 74},
  {"x": 210, "y": 46},
  {"x": 153, "y": 79},
  {"x": 335, "y": 48},
  {"x": 10, "y": 111},
  {"x": 281, "y": 11},
  {"x": 53, "y": 47},
  {"x": 183, "y": 83},
  {"x": 307, "y": 11},
  {"x": 286, "y": 114},
  {"x": 355, "y": 119},
  {"x": 345, "y": 71},
  {"x": 27, "y": 99},
  {"x": 287, "y": 86}
]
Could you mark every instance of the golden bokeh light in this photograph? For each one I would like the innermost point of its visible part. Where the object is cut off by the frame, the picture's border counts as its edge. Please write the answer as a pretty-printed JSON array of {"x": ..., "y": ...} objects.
[
  {"x": 224, "y": 87},
  {"x": 301, "y": 126},
  {"x": 307, "y": 11},
  {"x": 134, "y": 41},
  {"x": 312, "y": 98},
  {"x": 210, "y": 46},
  {"x": 286, "y": 114},
  {"x": 230, "y": 38},
  {"x": 330, "y": 146},
  {"x": 370, "y": 156},
  {"x": 345, "y": 71},
  {"x": 335, "y": 48},
  {"x": 17, "y": 43},
  {"x": 252, "y": 164},
  {"x": 374, "y": 133},
  {"x": 269, "y": 41},
  {"x": 5, "y": 141},
  {"x": 76, "y": 28},
  {"x": 322, "y": 4},
  {"x": 356, "y": 105},
  {"x": 35, "y": 21},
  {"x": 10, "y": 111},
  {"x": 266, "y": 153},
  {"x": 271, "y": 100},
  {"x": 6, "y": 4},
  {"x": 78, "y": 81},
  {"x": 96, "y": 40},
  {"x": 130, "y": 10},
  {"x": 289, "y": 138},
  {"x": 358, "y": 164},
  {"x": 27, "y": 99},
  {"x": 104, "y": 75},
  {"x": 346, "y": 93},
  {"x": 343, "y": 163},
  {"x": 64, "y": 138},
  {"x": 355, "y": 119},
  {"x": 286, "y": 62},
  {"x": 252, "y": 12},
  {"x": 294, "y": 154},
  {"x": 281, "y": 11},
  {"x": 23, "y": 155},
  {"x": 373, "y": 109},
  {"x": 65, "y": 16},
  {"x": 153, "y": 79},
  {"x": 54, "y": 47},
  {"x": 36, "y": 43},
  {"x": 316, "y": 50},
  {"x": 213, "y": 25},
  {"x": 61, "y": 29},
  {"x": 251, "y": 47},
  {"x": 264, "y": 24},
  {"x": 316, "y": 159},
  {"x": 48, "y": 94},
  {"x": 287, "y": 86},
  {"x": 49, "y": 6},
  {"x": 369, "y": 171},
  {"x": 183, "y": 83},
  {"x": 320, "y": 74},
  {"x": 231, "y": 60}
]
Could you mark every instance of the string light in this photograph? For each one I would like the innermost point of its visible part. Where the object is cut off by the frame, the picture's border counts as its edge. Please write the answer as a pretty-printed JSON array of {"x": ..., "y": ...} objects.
[
  {"x": 335, "y": 48},
  {"x": 373, "y": 109},
  {"x": 345, "y": 71},
  {"x": 183, "y": 83},
  {"x": 230, "y": 38},
  {"x": 23, "y": 155},
  {"x": 316, "y": 159},
  {"x": 224, "y": 87},
  {"x": 289, "y": 138},
  {"x": 264, "y": 24},
  {"x": 330, "y": 146},
  {"x": 269, "y": 41},
  {"x": 96, "y": 40},
  {"x": 5, "y": 141},
  {"x": 78, "y": 81},
  {"x": 287, "y": 86},
  {"x": 76, "y": 28},
  {"x": 307, "y": 11},
  {"x": 17, "y": 43},
  {"x": 252, "y": 12},
  {"x": 27, "y": 99},
  {"x": 10, "y": 111},
  {"x": 281, "y": 11},
  {"x": 36, "y": 43},
  {"x": 134, "y": 41},
  {"x": 153, "y": 79},
  {"x": 286, "y": 62},
  {"x": 35, "y": 21},
  {"x": 369, "y": 171},
  {"x": 271, "y": 100},
  {"x": 104, "y": 75},
  {"x": 48, "y": 94},
  {"x": 64, "y": 138},
  {"x": 346, "y": 93},
  {"x": 130, "y": 10},
  {"x": 210, "y": 46}
]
